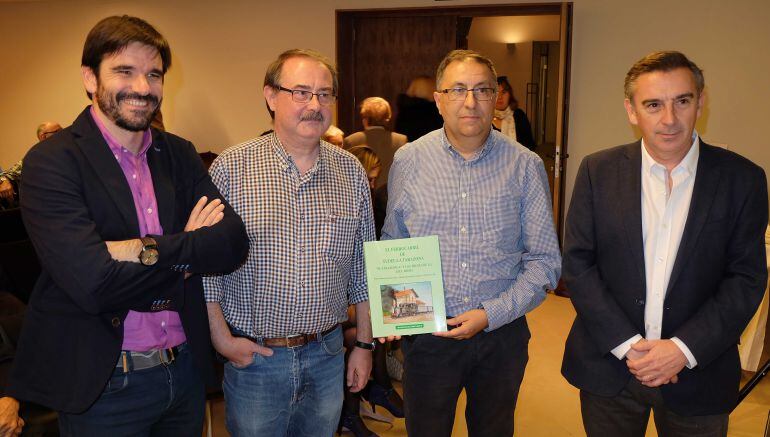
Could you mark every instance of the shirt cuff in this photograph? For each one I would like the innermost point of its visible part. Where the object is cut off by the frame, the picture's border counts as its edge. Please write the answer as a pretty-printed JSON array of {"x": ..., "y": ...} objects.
[
  {"x": 691, "y": 361},
  {"x": 358, "y": 295},
  {"x": 496, "y": 314},
  {"x": 622, "y": 349}
]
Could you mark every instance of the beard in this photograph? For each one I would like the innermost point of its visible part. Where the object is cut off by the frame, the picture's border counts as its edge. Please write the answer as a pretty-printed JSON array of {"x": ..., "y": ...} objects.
[{"x": 135, "y": 120}]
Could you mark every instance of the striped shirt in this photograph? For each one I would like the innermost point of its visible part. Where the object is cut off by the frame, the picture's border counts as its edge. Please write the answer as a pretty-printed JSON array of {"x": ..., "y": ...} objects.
[
  {"x": 306, "y": 234},
  {"x": 492, "y": 214}
]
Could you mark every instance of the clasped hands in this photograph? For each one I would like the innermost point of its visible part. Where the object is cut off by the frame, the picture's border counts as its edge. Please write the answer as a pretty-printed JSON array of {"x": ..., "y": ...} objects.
[{"x": 655, "y": 362}]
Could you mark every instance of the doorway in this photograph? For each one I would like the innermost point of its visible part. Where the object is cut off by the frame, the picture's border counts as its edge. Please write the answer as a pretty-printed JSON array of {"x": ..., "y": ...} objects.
[{"x": 380, "y": 51}]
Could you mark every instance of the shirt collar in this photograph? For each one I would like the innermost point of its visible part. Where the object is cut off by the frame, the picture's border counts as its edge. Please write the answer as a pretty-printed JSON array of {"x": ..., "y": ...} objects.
[
  {"x": 114, "y": 145},
  {"x": 488, "y": 145},
  {"x": 285, "y": 161},
  {"x": 689, "y": 163}
]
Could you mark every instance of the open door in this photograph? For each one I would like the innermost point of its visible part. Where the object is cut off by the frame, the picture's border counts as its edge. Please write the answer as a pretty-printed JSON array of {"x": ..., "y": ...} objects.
[{"x": 562, "y": 116}]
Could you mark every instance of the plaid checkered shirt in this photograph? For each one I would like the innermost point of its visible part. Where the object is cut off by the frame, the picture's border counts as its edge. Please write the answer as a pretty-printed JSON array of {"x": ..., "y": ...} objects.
[
  {"x": 493, "y": 217},
  {"x": 306, "y": 233}
]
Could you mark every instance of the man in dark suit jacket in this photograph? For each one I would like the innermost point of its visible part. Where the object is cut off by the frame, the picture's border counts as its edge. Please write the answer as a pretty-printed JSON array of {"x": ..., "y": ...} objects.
[
  {"x": 116, "y": 336},
  {"x": 665, "y": 263}
]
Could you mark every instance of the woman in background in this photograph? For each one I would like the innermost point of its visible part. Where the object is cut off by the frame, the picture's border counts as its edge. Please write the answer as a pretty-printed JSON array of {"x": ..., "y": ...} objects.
[{"x": 509, "y": 119}]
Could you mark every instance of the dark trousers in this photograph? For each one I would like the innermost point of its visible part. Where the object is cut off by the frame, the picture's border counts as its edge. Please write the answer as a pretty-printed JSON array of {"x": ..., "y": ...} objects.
[
  {"x": 159, "y": 401},
  {"x": 489, "y": 366},
  {"x": 627, "y": 414}
]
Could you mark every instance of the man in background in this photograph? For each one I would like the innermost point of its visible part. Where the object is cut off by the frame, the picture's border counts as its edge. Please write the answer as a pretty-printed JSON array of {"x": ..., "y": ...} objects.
[{"x": 375, "y": 116}]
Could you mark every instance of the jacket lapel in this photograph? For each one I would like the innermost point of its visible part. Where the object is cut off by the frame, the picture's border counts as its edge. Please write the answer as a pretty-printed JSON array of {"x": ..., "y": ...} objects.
[
  {"x": 629, "y": 183},
  {"x": 706, "y": 181},
  {"x": 106, "y": 167},
  {"x": 159, "y": 161}
]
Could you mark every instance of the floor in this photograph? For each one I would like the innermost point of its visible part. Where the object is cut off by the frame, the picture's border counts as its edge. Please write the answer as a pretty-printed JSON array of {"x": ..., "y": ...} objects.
[{"x": 548, "y": 406}]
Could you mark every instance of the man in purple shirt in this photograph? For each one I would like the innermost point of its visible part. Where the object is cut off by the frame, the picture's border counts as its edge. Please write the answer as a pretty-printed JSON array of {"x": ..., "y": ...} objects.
[{"x": 122, "y": 217}]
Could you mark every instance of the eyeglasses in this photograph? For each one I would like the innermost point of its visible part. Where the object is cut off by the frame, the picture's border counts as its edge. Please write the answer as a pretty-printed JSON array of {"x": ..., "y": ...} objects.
[
  {"x": 480, "y": 94},
  {"x": 302, "y": 96}
]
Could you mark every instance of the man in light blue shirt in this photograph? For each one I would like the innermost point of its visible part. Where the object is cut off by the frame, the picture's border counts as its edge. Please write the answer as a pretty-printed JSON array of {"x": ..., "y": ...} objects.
[{"x": 487, "y": 199}]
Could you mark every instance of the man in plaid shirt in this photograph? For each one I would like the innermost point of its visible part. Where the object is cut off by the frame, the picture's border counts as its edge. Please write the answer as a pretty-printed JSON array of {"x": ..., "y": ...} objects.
[{"x": 307, "y": 210}]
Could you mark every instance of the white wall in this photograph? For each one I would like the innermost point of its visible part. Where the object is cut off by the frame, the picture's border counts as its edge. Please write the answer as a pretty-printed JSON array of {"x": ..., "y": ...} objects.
[{"x": 222, "y": 48}]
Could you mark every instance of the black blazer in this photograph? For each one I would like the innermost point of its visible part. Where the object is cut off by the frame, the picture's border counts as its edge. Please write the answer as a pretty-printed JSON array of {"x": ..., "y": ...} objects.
[
  {"x": 716, "y": 284},
  {"x": 75, "y": 197}
]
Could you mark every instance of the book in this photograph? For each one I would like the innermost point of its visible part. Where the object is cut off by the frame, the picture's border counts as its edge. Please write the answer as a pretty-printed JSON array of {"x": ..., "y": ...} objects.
[{"x": 406, "y": 286}]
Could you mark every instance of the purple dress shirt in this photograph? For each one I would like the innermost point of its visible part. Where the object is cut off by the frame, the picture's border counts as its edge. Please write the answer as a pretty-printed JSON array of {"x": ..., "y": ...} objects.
[{"x": 143, "y": 331}]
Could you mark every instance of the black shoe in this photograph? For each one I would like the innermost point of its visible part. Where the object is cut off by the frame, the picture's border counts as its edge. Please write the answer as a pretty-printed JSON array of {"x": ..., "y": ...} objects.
[
  {"x": 353, "y": 423},
  {"x": 385, "y": 397}
]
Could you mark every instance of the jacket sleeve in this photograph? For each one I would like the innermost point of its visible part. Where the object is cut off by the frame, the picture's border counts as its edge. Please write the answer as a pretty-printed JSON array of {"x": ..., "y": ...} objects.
[
  {"x": 214, "y": 249},
  {"x": 73, "y": 254}
]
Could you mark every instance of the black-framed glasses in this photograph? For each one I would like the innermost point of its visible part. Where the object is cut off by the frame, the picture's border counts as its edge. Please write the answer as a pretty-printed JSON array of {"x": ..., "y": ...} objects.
[
  {"x": 481, "y": 94},
  {"x": 304, "y": 96}
]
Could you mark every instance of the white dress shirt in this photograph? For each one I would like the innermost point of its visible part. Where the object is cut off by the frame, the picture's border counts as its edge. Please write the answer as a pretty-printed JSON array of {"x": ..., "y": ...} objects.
[{"x": 664, "y": 214}]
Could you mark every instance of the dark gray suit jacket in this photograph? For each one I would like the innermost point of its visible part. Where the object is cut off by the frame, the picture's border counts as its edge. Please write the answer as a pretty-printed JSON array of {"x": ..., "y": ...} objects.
[{"x": 717, "y": 281}]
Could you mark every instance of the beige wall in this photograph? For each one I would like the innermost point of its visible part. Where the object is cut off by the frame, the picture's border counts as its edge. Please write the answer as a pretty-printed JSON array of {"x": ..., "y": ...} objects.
[
  {"x": 221, "y": 50},
  {"x": 491, "y": 35}
]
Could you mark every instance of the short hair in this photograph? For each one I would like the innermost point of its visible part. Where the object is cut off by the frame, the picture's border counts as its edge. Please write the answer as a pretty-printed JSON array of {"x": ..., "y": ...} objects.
[
  {"x": 662, "y": 61},
  {"x": 273, "y": 73},
  {"x": 376, "y": 111},
  {"x": 113, "y": 34},
  {"x": 366, "y": 156},
  {"x": 45, "y": 125},
  {"x": 461, "y": 56}
]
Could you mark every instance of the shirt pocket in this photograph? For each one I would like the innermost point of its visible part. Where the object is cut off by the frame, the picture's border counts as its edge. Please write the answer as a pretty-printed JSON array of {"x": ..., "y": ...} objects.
[
  {"x": 338, "y": 240},
  {"x": 502, "y": 221}
]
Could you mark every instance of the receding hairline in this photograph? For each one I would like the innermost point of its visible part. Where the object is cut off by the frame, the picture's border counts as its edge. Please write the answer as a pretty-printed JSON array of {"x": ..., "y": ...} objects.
[{"x": 478, "y": 59}]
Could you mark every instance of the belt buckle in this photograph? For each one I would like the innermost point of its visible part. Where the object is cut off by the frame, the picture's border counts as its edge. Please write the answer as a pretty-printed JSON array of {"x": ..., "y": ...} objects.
[
  {"x": 166, "y": 356},
  {"x": 291, "y": 338}
]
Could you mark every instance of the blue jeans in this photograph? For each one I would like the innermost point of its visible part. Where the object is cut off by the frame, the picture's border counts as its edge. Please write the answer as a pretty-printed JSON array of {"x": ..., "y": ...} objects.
[
  {"x": 294, "y": 392},
  {"x": 159, "y": 401}
]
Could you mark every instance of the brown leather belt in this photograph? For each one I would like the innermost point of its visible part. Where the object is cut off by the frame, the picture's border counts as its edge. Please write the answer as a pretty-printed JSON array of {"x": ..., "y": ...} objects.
[{"x": 296, "y": 340}]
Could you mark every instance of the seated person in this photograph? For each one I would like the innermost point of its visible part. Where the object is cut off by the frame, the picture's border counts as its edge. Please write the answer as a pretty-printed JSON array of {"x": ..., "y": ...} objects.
[{"x": 11, "y": 316}]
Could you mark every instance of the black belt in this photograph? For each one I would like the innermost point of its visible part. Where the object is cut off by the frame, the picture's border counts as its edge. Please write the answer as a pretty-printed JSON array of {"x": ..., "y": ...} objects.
[{"x": 130, "y": 361}]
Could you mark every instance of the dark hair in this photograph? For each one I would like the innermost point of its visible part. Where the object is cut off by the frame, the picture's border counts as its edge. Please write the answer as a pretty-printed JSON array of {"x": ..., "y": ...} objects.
[
  {"x": 503, "y": 82},
  {"x": 273, "y": 73},
  {"x": 113, "y": 34},
  {"x": 662, "y": 61},
  {"x": 462, "y": 55}
]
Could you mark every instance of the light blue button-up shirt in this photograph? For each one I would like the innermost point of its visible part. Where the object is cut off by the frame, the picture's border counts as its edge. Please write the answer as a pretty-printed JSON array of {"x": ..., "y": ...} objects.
[{"x": 492, "y": 214}]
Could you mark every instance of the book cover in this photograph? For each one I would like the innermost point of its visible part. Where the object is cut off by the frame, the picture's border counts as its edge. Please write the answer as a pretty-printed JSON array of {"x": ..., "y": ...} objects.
[{"x": 406, "y": 286}]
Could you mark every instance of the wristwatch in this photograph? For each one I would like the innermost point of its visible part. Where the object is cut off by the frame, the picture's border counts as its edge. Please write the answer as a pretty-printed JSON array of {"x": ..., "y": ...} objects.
[
  {"x": 367, "y": 346},
  {"x": 149, "y": 254}
]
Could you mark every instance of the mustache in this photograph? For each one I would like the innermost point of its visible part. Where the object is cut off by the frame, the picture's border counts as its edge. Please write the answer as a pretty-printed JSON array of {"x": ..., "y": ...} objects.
[
  {"x": 312, "y": 116},
  {"x": 123, "y": 95}
]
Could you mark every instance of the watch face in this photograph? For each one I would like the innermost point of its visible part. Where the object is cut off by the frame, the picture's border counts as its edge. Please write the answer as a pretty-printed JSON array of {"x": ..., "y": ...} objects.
[{"x": 149, "y": 257}]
